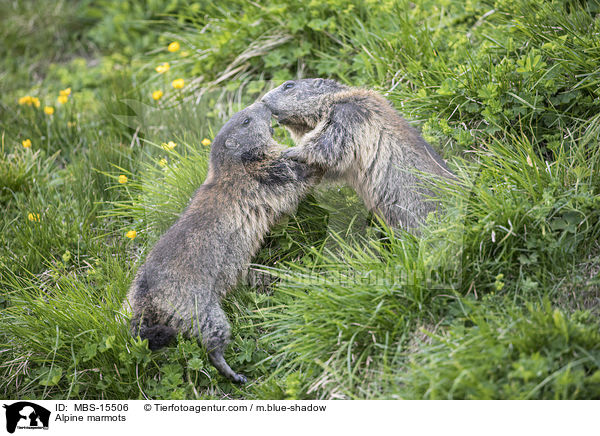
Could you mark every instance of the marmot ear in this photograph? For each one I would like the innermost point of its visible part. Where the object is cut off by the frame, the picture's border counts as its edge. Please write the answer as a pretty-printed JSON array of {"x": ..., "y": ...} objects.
[{"x": 230, "y": 143}]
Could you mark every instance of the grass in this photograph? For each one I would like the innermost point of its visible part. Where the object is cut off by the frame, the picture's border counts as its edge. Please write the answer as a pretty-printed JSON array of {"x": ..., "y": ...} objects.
[
  {"x": 496, "y": 298},
  {"x": 533, "y": 352}
]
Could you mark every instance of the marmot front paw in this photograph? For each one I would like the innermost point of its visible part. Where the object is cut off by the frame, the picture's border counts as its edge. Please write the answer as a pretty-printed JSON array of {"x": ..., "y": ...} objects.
[{"x": 294, "y": 153}]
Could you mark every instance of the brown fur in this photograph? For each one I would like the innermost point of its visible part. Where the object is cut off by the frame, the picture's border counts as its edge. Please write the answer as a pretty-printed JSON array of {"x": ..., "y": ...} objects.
[
  {"x": 202, "y": 256},
  {"x": 358, "y": 137}
]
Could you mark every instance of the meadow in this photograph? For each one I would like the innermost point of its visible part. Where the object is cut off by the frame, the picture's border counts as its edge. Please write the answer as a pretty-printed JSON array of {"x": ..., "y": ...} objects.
[{"x": 107, "y": 113}]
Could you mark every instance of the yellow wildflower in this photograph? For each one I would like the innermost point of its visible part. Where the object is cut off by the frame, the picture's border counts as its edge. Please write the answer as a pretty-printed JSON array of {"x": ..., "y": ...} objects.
[
  {"x": 162, "y": 162},
  {"x": 185, "y": 53},
  {"x": 131, "y": 234},
  {"x": 205, "y": 142},
  {"x": 122, "y": 179},
  {"x": 48, "y": 110},
  {"x": 62, "y": 99},
  {"x": 156, "y": 95},
  {"x": 168, "y": 145},
  {"x": 65, "y": 92},
  {"x": 71, "y": 124},
  {"x": 29, "y": 100},
  {"x": 173, "y": 47},
  {"x": 178, "y": 83},
  {"x": 26, "y": 143},
  {"x": 163, "y": 68},
  {"x": 35, "y": 217}
]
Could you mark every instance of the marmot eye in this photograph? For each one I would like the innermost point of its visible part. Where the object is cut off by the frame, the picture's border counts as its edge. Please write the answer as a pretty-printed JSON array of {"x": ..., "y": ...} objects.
[
  {"x": 288, "y": 85},
  {"x": 246, "y": 121}
]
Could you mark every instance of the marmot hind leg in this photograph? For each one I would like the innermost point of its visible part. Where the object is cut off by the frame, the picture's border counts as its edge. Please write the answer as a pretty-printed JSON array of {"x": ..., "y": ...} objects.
[{"x": 216, "y": 333}]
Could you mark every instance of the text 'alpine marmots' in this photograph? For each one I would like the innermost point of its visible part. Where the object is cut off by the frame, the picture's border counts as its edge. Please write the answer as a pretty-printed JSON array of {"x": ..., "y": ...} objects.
[
  {"x": 202, "y": 256},
  {"x": 358, "y": 137}
]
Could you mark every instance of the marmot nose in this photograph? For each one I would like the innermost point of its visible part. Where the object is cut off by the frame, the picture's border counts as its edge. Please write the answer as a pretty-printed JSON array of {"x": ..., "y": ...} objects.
[
  {"x": 264, "y": 110},
  {"x": 265, "y": 98}
]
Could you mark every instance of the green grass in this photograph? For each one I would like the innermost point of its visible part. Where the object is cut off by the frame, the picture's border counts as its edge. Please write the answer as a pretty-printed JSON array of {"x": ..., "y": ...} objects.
[
  {"x": 534, "y": 352},
  {"x": 496, "y": 298}
]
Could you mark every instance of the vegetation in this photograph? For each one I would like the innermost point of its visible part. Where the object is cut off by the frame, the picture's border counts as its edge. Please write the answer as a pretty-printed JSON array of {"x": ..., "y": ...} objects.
[{"x": 107, "y": 110}]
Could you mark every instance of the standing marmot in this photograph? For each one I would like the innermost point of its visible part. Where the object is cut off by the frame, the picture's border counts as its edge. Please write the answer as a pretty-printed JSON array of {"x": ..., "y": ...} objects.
[
  {"x": 193, "y": 265},
  {"x": 358, "y": 137}
]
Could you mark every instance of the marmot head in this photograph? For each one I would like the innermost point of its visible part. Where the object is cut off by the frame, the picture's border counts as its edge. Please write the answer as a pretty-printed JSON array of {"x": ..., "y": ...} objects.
[
  {"x": 298, "y": 104},
  {"x": 246, "y": 137}
]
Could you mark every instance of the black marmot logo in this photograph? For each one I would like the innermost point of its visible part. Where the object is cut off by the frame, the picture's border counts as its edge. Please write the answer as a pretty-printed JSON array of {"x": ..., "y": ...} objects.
[{"x": 28, "y": 415}]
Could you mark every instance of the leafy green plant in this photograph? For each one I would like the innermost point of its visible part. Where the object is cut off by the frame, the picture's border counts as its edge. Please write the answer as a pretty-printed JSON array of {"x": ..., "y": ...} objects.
[{"x": 501, "y": 71}]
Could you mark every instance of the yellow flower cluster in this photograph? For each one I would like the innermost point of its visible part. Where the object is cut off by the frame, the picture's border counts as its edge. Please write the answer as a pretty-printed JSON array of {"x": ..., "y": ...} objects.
[
  {"x": 26, "y": 143},
  {"x": 123, "y": 179},
  {"x": 29, "y": 101},
  {"x": 63, "y": 96},
  {"x": 168, "y": 145},
  {"x": 162, "y": 162},
  {"x": 205, "y": 142},
  {"x": 35, "y": 217},
  {"x": 163, "y": 68},
  {"x": 131, "y": 234}
]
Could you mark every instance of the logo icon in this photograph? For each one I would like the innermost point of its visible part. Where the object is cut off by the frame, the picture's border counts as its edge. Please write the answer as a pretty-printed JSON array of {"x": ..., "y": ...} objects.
[{"x": 26, "y": 415}]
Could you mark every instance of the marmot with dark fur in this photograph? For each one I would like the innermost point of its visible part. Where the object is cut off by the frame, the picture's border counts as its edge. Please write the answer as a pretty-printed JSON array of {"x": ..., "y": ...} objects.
[
  {"x": 358, "y": 137},
  {"x": 249, "y": 185}
]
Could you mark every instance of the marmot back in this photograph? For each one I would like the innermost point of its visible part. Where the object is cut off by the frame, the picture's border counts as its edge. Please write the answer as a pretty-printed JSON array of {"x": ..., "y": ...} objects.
[
  {"x": 358, "y": 137},
  {"x": 202, "y": 256}
]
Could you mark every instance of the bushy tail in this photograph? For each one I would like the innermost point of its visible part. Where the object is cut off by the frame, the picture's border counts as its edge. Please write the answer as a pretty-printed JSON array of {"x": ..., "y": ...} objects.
[{"x": 158, "y": 335}]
